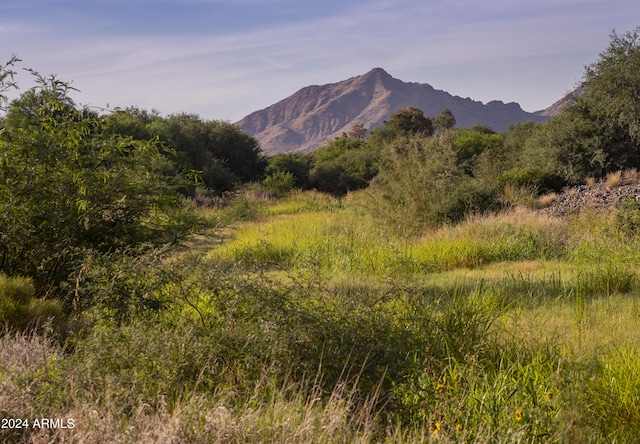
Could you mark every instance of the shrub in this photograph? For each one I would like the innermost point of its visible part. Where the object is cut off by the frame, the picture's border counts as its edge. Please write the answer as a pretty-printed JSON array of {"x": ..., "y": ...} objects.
[
  {"x": 19, "y": 309},
  {"x": 628, "y": 217},
  {"x": 467, "y": 198},
  {"x": 280, "y": 183},
  {"x": 67, "y": 186},
  {"x": 524, "y": 177}
]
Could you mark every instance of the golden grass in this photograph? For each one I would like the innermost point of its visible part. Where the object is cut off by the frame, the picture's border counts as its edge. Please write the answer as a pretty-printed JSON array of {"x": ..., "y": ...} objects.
[
  {"x": 613, "y": 179},
  {"x": 630, "y": 176},
  {"x": 546, "y": 200}
]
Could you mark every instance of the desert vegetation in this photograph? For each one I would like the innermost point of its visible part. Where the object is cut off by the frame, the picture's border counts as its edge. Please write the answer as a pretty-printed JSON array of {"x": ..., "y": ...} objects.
[{"x": 161, "y": 281}]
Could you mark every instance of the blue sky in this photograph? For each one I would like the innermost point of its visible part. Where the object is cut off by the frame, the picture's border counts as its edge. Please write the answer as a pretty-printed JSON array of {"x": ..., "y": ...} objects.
[{"x": 223, "y": 59}]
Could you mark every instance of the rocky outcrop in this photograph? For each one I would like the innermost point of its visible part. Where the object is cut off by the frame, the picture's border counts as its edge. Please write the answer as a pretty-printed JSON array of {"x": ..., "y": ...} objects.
[{"x": 597, "y": 197}]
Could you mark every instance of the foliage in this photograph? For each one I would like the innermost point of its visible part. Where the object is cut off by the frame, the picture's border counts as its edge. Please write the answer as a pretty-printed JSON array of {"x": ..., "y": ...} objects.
[
  {"x": 628, "y": 217},
  {"x": 528, "y": 177},
  {"x": 19, "y": 309},
  {"x": 296, "y": 164},
  {"x": 471, "y": 143},
  {"x": 65, "y": 186},
  {"x": 343, "y": 165},
  {"x": 468, "y": 197},
  {"x": 444, "y": 121},
  {"x": 280, "y": 183},
  {"x": 7, "y": 78},
  {"x": 599, "y": 132},
  {"x": 411, "y": 121},
  {"x": 414, "y": 178},
  {"x": 223, "y": 155}
]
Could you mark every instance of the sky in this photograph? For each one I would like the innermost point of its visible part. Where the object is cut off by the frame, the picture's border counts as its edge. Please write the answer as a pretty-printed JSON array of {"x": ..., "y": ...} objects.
[{"x": 223, "y": 59}]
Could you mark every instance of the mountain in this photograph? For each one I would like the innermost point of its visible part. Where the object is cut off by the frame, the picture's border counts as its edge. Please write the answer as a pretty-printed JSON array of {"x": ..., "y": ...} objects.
[
  {"x": 315, "y": 114},
  {"x": 568, "y": 99}
]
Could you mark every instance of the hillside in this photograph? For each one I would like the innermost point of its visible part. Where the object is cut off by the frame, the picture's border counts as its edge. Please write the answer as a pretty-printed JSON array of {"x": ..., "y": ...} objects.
[
  {"x": 568, "y": 99},
  {"x": 315, "y": 114}
]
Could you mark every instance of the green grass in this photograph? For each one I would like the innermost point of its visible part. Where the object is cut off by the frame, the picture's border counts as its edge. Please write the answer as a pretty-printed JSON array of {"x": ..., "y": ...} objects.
[{"x": 304, "y": 320}]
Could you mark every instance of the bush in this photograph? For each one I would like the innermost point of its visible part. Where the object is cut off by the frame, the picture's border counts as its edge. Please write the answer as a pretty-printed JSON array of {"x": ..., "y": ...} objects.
[
  {"x": 19, "y": 309},
  {"x": 280, "y": 183},
  {"x": 526, "y": 177},
  {"x": 467, "y": 198},
  {"x": 628, "y": 217},
  {"x": 67, "y": 186},
  {"x": 415, "y": 176}
]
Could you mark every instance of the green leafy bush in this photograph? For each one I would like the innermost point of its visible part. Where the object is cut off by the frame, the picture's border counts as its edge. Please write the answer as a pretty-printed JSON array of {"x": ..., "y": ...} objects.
[
  {"x": 628, "y": 217},
  {"x": 19, "y": 308},
  {"x": 524, "y": 177},
  {"x": 280, "y": 183},
  {"x": 66, "y": 186},
  {"x": 467, "y": 198}
]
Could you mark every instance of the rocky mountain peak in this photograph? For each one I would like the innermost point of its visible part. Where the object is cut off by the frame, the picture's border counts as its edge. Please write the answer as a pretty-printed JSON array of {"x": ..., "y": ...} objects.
[{"x": 318, "y": 113}]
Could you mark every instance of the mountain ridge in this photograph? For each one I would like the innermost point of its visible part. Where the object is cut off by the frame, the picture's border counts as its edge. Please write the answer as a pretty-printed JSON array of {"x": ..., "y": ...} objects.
[{"x": 318, "y": 113}]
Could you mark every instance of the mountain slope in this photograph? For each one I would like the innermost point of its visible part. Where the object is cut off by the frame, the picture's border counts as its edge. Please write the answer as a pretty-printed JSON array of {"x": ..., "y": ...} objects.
[{"x": 315, "y": 114}]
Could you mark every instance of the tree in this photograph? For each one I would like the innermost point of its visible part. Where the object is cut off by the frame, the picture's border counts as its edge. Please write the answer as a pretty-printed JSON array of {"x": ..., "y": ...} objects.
[
  {"x": 343, "y": 165},
  {"x": 67, "y": 187},
  {"x": 411, "y": 121},
  {"x": 600, "y": 131},
  {"x": 294, "y": 163},
  {"x": 470, "y": 143},
  {"x": 613, "y": 83},
  {"x": 444, "y": 121},
  {"x": 358, "y": 131},
  {"x": 222, "y": 153},
  {"x": 7, "y": 78}
]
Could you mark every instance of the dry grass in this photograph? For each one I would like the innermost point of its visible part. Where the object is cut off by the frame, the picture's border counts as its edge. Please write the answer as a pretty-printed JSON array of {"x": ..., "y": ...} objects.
[
  {"x": 613, "y": 179},
  {"x": 590, "y": 181},
  {"x": 518, "y": 196},
  {"x": 630, "y": 176},
  {"x": 289, "y": 413},
  {"x": 547, "y": 200}
]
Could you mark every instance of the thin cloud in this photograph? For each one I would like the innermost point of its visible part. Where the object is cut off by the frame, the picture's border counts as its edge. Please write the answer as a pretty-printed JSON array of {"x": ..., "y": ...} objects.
[{"x": 530, "y": 52}]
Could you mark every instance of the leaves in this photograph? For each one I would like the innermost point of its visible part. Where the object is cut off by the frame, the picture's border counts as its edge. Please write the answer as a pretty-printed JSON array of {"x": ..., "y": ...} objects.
[{"x": 66, "y": 186}]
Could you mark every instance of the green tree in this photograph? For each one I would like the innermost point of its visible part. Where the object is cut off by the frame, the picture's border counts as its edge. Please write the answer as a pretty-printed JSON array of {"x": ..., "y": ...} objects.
[
  {"x": 471, "y": 143},
  {"x": 411, "y": 121},
  {"x": 613, "y": 84},
  {"x": 296, "y": 164},
  {"x": 343, "y": 165},
  {"x": 600, "y": 131},
  {"x": 444, "y": 121},
  {"x": 224, "y": 155},
  {"x": 66, "y": 186},
  {"x": 7, "y": 79}
]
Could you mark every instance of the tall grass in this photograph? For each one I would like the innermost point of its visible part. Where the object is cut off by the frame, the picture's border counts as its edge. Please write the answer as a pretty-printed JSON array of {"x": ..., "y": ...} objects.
[
  {"x": 349, "y": 242},
  {"x": 311, "y": 323}
]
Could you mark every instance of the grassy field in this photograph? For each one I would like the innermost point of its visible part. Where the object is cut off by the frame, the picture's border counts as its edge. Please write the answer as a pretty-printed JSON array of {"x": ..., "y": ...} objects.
[{"x": 306, "y": 320}]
